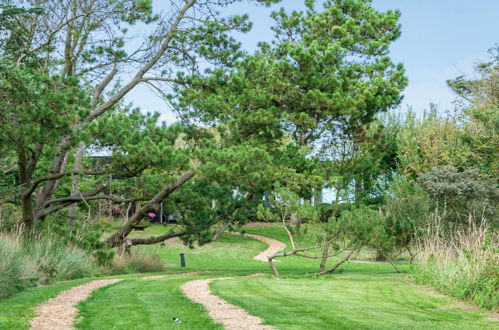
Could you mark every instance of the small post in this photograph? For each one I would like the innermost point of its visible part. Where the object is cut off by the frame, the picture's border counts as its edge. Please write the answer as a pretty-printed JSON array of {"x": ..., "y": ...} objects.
[
  {"x": 182, "y": 260},
  {"x": 161, "y": 212}
]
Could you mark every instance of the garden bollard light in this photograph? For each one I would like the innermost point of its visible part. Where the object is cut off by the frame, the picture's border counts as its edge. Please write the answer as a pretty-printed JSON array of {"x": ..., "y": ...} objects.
[{"x": 182, "y": 260}]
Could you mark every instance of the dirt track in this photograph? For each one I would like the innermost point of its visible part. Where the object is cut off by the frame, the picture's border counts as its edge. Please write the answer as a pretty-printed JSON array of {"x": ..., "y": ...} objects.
[{"x": 60, "y": 312}]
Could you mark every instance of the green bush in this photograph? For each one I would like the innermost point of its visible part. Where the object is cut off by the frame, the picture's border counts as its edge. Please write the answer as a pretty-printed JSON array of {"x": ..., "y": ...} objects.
[
  {"x": 465, "y": 264},
  {"x": 85, "y": 235},
  {"x": 26, "y": 263},
  {"x": 136, "y": 263}
]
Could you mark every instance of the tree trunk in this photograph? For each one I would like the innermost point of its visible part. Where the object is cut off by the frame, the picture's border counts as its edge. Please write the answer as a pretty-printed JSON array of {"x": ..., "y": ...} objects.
[
  {"x": 325, "y": 253},
  {"x": 273, "y": 267},
  {"x": 27, "y": 212},
  {"x": 25, "y": 178},
  {"x": 330, "y": 270},
  {"x": 119, "y": 236},
  {"x": 219, "y": 232},
  {"x": 391, "y": 263},
  {"x": 75, "y": 184}
]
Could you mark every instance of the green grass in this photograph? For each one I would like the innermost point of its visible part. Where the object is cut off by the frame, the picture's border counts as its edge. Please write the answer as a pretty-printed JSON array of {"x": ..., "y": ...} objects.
[
  {"x": 361, "y": 296},
  {"x": 229, "y": 253},
  {"x": 16, "y": 311},
  {"x": 143, "y": 304},
  {"x": 368, "y": 300}
]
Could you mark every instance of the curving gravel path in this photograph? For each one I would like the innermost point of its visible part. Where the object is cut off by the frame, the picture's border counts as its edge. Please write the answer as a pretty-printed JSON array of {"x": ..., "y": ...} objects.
[
  {"x": 230, "y": 316},
  {"x": 60, "y": 312},
  {"x": 274, "y": 246}
]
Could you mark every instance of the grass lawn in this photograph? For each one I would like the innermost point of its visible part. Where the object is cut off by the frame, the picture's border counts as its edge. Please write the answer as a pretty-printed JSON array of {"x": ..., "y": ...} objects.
[
  {"x": 361, "y": 296},
  {"x": 352, "y": 300},
  {"x": 143, "y": 304},
  {"x": 16, "y": 311}
]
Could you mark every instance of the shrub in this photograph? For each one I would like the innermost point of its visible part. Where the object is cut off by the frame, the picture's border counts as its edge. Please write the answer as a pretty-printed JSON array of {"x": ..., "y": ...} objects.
[
  {"x": 457, "y": 194},
  {"x": 136, "y": 263},
  {"x": 85, "y": 235},
  {"x": 40, "y": 261},
  {"x": 9, "y": 217},
  {"x": 465, "y": 264}
]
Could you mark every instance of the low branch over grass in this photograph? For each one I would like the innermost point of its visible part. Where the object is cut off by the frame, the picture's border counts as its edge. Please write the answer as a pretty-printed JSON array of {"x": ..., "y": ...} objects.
[{"x": 119, "y": 236}]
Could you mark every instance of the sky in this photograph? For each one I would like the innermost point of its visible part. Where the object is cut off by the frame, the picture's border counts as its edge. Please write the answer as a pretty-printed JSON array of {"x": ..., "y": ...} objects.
[{"x": 441, "y": 39}]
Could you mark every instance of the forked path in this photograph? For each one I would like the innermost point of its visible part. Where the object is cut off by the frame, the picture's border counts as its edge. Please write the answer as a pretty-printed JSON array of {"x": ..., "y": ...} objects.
[
  {"x": 230, "y": 316},
  {"x": 60, "y": 312}
]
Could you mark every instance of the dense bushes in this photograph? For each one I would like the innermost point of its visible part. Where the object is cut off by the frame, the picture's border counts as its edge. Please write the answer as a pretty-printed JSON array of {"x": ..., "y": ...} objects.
[
  {"x": 465, "y": 265},
  {"x": 40, "y": 261}
]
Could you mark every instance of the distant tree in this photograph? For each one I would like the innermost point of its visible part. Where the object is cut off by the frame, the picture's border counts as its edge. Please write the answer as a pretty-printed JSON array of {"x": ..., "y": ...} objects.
[{"x": 478, "y": 100}]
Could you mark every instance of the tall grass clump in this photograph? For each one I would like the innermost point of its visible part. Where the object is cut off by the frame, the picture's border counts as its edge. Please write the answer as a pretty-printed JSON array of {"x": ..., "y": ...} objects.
[
  {"x": 463, "y": 262},
  {"x": 137, "y": 262},
  {"x": 40, "y": 260}
]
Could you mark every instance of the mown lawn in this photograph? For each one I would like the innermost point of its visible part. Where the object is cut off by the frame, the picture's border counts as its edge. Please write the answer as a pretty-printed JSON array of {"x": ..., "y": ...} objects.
[
  {"x": 352, "y": 300},
  {"x": 143, "y": 304},
  {"x": 361, "y": 296}
]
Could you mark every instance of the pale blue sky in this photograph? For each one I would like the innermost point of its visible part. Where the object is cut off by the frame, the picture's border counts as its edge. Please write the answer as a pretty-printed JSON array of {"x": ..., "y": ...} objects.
[{"x": 440, "y": 40}]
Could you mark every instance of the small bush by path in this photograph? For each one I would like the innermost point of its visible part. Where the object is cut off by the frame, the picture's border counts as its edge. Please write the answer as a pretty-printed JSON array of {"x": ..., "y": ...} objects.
[{"x": 136, "y": 263}]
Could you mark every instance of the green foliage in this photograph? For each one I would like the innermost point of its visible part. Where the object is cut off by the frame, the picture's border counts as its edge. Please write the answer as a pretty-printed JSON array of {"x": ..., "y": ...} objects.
[
  {"x": 359, "y": 227},
  {"x": 37, "y": 109},
  {"x": 457, "y": 195},
  {"x": 407, "y": 209},
  {"x": 136, "y": 263},
  {"x": 464, "y": 264},
  {"x": 86, "y": 236},
  {"x": 25, "y": 263},
  {"x": 324, "y": 67}
]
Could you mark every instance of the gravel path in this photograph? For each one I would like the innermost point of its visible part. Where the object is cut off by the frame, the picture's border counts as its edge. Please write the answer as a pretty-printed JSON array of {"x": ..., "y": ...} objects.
[
  {"x": 274, "y": 246},
  {"x": 230, "y": 316},
  {"x": 60, "y": 312}
]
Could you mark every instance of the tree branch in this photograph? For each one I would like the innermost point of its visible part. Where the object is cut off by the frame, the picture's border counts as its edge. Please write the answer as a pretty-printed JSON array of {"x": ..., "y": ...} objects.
[
  {"x": 51, "y": 177},
  {"x": 53, "y": 205},
  {"x": 117, "y": 238}
]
